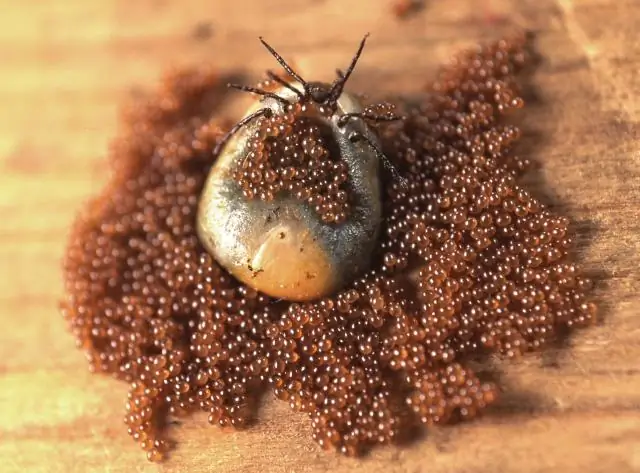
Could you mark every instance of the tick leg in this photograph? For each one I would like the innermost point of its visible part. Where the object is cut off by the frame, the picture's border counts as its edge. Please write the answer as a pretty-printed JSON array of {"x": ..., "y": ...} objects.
[
  {"x": 284, "y": 83},
  {"x": 388, "y": 117},
  {"x": 285, "y": 66},
  {"x": 357, "y": 137},
  {"x": 263, "y": 112},
  {"x": 338, "y": 85},
  {"x": 253, "y": 90}
]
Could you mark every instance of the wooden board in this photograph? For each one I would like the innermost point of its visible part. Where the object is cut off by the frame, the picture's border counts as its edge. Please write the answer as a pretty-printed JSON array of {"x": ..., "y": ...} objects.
[{"x": 65, "y": 67}]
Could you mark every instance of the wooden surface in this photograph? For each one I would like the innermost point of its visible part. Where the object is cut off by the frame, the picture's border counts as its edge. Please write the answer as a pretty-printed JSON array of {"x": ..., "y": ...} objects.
[{"x": 65, "y": 67}]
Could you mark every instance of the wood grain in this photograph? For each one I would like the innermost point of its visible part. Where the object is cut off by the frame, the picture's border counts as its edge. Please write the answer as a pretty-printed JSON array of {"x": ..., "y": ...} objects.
[{"x": 65, "y": 67}]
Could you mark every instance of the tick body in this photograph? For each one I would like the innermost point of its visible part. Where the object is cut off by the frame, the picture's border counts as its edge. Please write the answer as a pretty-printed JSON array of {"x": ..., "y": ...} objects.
[
  {"x": 303, "y": 239},
  {"x": 282, "y": 247}
]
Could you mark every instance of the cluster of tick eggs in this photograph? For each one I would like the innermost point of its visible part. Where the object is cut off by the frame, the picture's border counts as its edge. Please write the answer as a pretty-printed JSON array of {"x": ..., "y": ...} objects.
[
  {"x": 287, "y": 153},
  {"x": 465, "y": 261}
]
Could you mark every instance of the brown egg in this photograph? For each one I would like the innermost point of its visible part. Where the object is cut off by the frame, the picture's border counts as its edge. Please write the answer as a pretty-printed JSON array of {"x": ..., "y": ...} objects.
[{"x": 282, "y": 247}]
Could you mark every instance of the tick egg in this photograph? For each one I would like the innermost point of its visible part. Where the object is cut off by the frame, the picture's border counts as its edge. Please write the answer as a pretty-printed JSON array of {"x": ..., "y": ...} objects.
[{"x": 281, "y": 246}]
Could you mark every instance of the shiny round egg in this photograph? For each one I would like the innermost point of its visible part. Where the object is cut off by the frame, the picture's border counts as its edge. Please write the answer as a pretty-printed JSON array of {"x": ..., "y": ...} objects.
[{"x": 281, "y": 247}]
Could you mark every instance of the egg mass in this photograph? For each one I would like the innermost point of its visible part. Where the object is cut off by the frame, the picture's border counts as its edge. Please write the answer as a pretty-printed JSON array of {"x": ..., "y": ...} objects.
[
  {"x": 281, "y": 245},
  {"x": 470, "y": 264}
]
